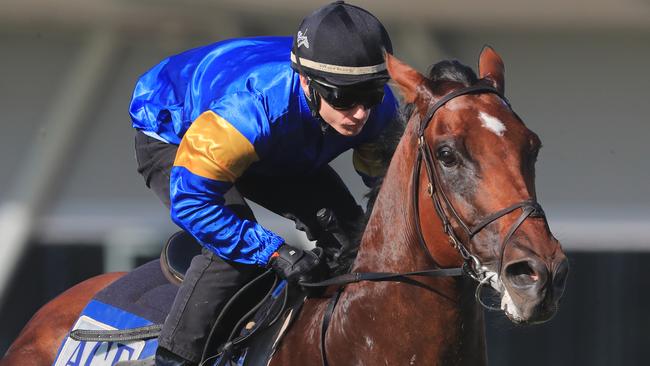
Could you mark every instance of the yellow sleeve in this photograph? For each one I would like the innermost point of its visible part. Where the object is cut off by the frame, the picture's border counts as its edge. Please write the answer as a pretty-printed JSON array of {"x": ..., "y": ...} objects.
[
  {"x": 367, "y": 160},
  {"x": 213, "y": 148}
]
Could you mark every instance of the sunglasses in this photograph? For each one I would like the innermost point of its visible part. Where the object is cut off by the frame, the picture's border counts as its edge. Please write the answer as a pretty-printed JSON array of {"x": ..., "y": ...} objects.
[{"x": 344, "y": 98}]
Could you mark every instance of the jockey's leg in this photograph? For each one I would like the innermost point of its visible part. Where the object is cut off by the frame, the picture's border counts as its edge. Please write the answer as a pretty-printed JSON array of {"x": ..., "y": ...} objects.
[
  {"x": 155, "y": 160},
  {"x": 209, "y": 283}
]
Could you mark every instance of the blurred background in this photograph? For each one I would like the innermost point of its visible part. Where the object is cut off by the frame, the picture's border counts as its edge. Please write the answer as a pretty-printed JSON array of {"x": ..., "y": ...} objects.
[{"x": 72, "y": 204}]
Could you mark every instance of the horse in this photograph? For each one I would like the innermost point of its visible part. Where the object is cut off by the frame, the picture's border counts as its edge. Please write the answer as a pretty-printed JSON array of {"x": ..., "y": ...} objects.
[
  {"x": 479, "y": 169},
  {"x": 459, "y": 192}
]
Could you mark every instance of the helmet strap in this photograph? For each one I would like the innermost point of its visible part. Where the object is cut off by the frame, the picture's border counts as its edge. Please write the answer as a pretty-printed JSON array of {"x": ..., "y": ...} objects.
[
  {"x": 314, "y": 102},
  {"x": 313, "y": 99}
]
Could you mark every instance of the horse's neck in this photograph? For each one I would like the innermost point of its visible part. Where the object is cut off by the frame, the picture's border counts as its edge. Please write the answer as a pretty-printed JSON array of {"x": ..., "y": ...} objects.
[
  {"x": 444, "y": 315},
  {"x": 386, "y": 243},
  {"x": 390, "y": 240}
]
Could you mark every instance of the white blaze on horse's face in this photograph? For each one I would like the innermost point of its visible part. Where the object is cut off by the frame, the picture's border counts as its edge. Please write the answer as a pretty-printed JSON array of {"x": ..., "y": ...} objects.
[{"x": 492, "y": 123}]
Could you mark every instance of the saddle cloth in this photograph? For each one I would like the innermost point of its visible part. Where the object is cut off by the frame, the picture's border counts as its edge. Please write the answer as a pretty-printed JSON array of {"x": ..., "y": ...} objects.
[{"x": 141, "y": 298}]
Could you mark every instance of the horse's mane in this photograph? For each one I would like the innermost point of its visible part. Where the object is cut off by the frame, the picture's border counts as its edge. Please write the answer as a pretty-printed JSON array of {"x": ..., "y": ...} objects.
[
  {"x": 447, "y": 70},
  {"x": 452, "y": 70}
]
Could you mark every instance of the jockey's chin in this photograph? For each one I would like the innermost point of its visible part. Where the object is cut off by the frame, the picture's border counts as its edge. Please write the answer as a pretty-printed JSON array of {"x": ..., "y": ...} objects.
[{"x": 347, "y": 122}]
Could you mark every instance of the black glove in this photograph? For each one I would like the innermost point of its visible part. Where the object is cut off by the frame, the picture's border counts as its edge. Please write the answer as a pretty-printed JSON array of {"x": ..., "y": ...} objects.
[{"x": 293, "y": 264}]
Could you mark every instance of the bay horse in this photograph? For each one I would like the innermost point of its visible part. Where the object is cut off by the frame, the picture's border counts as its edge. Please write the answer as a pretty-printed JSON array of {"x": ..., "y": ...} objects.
[{"x": 459, "y": 192}]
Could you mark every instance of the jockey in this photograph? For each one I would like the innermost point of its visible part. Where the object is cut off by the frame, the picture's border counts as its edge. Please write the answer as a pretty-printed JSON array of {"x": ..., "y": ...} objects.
[{"x": 258, "y": 118}]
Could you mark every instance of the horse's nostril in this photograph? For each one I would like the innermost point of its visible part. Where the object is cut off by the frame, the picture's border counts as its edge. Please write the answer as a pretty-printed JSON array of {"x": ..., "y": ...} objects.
[{"x": 522, "y": 274}]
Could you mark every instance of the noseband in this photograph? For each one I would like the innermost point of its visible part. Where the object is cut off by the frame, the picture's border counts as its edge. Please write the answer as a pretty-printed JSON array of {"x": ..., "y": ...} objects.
[{"x": 442, "y": 204}]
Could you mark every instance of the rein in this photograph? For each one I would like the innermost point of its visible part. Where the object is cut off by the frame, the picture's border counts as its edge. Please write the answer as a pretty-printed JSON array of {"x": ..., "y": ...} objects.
[{"x": 354, "y": 277}]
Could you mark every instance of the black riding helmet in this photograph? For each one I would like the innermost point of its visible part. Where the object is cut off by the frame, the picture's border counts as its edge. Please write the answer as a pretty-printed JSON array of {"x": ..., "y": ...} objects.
[{"x": 341, "y": 46}]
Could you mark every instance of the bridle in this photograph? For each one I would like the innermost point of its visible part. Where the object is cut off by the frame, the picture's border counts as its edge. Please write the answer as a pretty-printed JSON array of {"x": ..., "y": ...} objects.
[{"x": 442, "y": 204}]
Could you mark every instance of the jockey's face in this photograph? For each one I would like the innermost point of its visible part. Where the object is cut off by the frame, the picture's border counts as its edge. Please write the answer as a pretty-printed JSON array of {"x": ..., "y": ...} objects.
[{"x": 347, "y": 122}]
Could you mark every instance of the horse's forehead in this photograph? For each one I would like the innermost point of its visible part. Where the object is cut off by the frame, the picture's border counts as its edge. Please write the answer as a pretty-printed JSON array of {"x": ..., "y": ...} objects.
[
  {"x": 488, "y": 111},
  {"x": 482, "y": 102}
]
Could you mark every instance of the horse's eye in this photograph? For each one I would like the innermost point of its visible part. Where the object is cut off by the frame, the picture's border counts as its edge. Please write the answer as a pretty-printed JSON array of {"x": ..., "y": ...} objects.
[{"x": 447, "y": 156}]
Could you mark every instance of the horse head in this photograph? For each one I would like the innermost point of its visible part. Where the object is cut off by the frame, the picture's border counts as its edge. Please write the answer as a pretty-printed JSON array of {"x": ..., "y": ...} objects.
[{"x": 475, "y": 179}]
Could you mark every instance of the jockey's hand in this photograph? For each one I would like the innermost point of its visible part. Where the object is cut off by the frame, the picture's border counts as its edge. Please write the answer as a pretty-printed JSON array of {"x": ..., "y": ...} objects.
[{"x": 293, "y": 264}]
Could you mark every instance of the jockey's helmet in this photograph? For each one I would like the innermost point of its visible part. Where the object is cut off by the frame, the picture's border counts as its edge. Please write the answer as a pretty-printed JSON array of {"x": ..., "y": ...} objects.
[{"x": 341, "y": 45}]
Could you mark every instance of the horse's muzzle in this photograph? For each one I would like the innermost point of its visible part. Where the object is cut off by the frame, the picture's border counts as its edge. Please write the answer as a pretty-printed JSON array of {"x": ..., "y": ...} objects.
[{"x": 534, "y": 287}]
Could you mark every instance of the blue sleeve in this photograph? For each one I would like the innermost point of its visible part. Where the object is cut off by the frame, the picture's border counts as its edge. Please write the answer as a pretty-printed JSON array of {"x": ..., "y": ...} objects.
[
  {"x": 198, "y": 207},
  {"x": 215, "y": 151}
]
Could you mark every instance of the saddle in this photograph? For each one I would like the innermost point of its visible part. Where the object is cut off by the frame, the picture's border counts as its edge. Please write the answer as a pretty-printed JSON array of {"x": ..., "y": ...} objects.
[{"x": 177, "y": 255}]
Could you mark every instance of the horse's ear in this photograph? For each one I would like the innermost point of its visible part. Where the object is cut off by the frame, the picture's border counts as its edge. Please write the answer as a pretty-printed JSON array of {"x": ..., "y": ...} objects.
[
  {"x": 407, "y": 78},
  {"x": 491, "y": 68}
]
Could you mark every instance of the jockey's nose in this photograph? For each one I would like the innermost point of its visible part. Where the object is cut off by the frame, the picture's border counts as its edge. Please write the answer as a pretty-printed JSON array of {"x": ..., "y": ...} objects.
[{"x": 360, "y": 112}]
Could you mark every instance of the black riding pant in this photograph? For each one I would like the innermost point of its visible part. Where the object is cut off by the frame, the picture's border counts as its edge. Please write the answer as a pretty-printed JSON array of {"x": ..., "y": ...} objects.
[{"x": 211, "y": 280}]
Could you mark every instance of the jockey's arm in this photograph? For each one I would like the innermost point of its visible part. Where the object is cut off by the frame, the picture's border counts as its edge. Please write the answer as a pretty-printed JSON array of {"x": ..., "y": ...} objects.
[
  {"x": 368, "y": 162},
  {"x": 211, "y": 156}
]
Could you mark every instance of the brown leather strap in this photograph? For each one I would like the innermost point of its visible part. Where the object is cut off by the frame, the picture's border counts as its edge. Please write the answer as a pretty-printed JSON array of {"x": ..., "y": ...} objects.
[{"x": 326, "y": 323}]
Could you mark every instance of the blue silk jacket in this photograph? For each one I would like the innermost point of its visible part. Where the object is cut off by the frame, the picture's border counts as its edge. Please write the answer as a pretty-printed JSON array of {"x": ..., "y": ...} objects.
[{"x": 236, "y": 107}]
